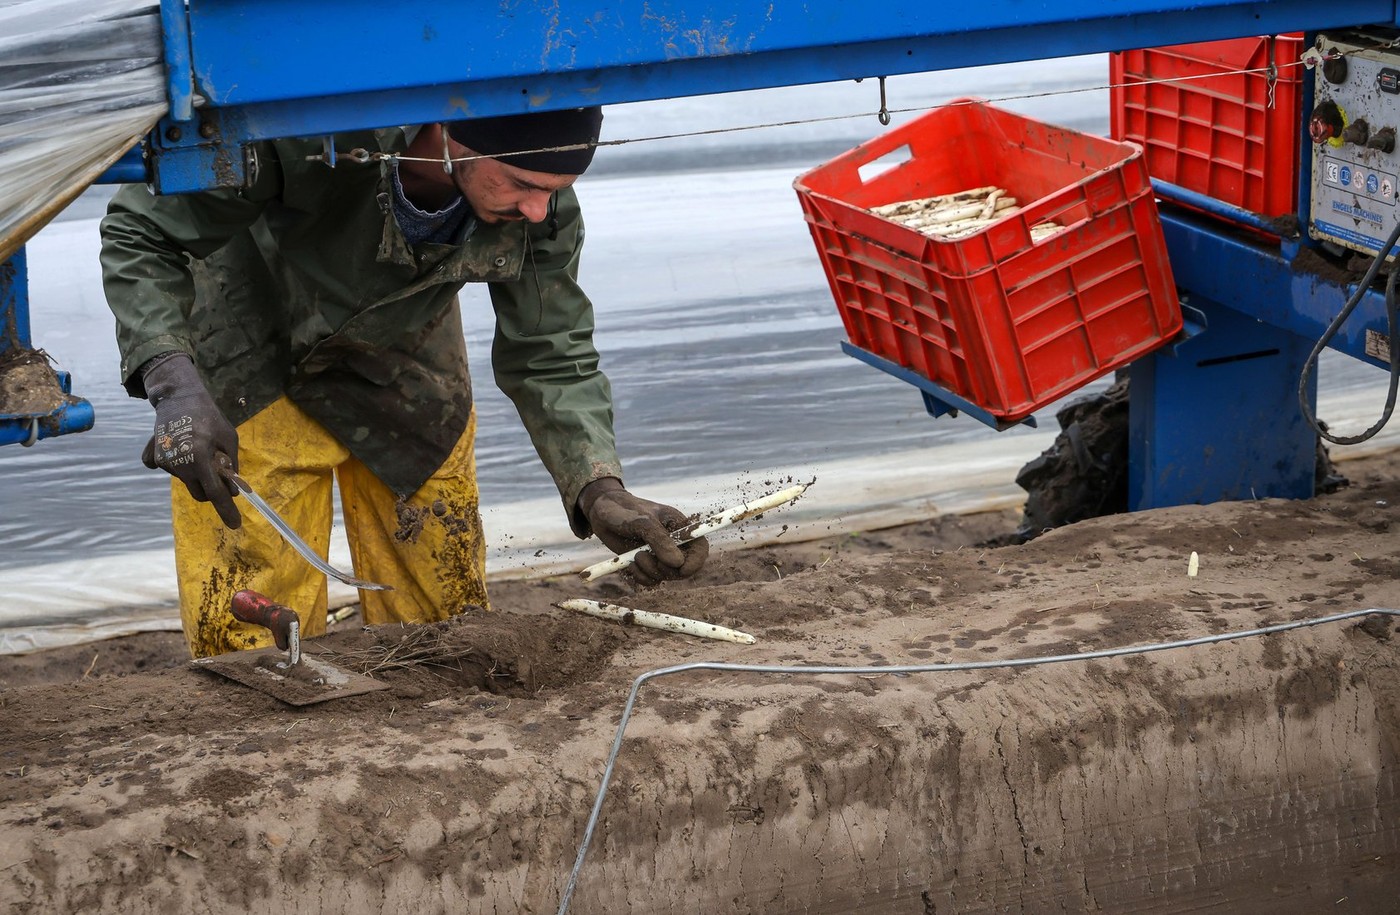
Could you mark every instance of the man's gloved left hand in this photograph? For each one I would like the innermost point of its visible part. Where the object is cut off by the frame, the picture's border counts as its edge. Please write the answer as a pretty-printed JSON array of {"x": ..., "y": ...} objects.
[{"x": 624, "y": 522}]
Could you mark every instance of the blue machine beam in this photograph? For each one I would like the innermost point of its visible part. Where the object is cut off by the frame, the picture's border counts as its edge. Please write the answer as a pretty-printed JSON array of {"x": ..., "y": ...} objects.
[
  {"x": 1266, "y": 283},
  {"x": 269, "y": 69},
  {"x": 519, "y": 55}
]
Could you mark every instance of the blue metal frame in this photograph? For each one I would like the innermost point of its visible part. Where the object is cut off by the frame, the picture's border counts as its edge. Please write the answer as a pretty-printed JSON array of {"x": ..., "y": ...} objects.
[
  {"x": 28, "y": 428},
  {"x": 179, "y": 74},
  {"x": 558, "y": 53},
  {"x": 1218, "y": 418},
  {"x": 14, "y": 302},
  {"x": 268, "y": 69},
  {"x": 1207, "y": 204}
]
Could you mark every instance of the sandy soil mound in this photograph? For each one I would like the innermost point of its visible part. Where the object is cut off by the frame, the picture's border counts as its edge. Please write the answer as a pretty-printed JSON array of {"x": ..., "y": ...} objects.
[{"x": 1257, "y": 775}]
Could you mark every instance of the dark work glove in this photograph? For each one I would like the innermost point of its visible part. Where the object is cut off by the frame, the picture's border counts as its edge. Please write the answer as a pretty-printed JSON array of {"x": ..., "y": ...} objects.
[
  {"x": 193, "y": 440},
  {"x": 624, "y": 522}
]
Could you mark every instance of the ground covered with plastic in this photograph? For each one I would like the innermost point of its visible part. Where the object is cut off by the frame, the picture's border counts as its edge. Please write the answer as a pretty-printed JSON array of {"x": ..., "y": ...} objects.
[{"x": 1259, "y": 775}]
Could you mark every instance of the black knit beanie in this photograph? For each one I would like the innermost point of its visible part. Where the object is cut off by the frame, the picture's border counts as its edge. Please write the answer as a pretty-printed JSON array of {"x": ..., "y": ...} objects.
[{"x": 537, "y": 130}]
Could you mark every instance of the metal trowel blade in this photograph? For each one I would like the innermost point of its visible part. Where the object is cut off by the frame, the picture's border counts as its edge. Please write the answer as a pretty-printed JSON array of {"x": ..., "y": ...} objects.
[{"x": 310, "y": 682}]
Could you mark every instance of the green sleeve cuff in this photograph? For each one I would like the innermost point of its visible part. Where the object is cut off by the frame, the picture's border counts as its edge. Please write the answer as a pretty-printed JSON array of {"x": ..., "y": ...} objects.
[
  {"x": 570, "y": 488},
  {"x": 132, "y": 362}
]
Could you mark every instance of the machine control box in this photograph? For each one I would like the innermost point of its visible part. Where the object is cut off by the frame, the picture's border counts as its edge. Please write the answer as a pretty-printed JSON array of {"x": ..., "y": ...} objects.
[{"x": 1353, "y": 124}]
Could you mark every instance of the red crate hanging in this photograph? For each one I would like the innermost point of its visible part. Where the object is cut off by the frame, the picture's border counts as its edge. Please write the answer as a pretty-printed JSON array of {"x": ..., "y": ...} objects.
[{"x": 1001, "y": 321}]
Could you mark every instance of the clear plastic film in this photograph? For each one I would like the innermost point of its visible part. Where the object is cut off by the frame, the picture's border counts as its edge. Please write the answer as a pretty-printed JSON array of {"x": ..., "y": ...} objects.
[{"x": 81, "y": 81}]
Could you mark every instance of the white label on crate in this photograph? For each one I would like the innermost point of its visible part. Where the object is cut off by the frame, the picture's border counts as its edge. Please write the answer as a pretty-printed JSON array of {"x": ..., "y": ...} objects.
[{"x": 1377, "y": 345}]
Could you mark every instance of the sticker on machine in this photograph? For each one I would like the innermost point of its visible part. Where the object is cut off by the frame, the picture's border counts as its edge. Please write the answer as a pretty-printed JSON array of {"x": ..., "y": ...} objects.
[
  {"x": 1360, "y": 180},
  {"x": 1357, "y": 210}
]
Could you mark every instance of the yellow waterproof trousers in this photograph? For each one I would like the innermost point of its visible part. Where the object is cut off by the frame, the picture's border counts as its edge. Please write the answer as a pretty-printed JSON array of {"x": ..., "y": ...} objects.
[{"x": 429, "y": 547}]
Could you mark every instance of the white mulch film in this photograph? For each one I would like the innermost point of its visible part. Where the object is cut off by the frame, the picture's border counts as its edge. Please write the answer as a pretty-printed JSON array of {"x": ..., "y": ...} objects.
[{"x": 81, "y": 81}]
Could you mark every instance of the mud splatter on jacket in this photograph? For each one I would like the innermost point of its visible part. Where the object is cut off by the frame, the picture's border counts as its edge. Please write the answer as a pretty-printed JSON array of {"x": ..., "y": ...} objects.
[{"x": 303, "y": 285}]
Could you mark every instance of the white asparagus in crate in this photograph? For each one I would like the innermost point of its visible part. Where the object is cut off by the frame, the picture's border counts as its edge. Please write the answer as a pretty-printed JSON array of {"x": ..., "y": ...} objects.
[
  {"x": 904, "y": 207},
  {"x": 950, "y": 215},
  {"x": 653, "y": 620},
  {"x": 994, "y": 203},
  {"x": 953, "y": 216}
]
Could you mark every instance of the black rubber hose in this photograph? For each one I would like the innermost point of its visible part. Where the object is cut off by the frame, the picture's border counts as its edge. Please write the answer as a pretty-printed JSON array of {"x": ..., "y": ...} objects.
[{"x": 1392, "y": 326}]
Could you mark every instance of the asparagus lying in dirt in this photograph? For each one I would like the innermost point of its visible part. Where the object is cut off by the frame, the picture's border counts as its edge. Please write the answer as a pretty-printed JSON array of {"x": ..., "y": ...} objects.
[
  {"x": 656, "y": 620},
  {"x": 951, "y": 216}
]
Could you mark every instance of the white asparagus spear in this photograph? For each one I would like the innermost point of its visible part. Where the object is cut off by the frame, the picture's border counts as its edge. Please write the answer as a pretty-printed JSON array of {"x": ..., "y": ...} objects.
[
  {"x": 709, "y": 525},
  {"x": 991, "y": 205},
  {"x": 971, "y": 203},
  {"x": 967, "y": 226},
  {"x": 922, "y": 221},
  {"x": 928, "y": 203},
  {"x": 656, "y": 620},
  {"x": 968, "y": 211}
]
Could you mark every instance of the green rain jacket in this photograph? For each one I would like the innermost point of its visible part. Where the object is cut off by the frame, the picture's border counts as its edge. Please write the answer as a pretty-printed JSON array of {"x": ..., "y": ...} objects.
[{"x": 302, "y": 284}]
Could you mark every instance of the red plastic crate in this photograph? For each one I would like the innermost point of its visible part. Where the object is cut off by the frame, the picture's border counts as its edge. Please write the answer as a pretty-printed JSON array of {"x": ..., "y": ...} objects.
[
  {"x": 1002, "y": 322},
  {"x": 1215, "y": 133}
]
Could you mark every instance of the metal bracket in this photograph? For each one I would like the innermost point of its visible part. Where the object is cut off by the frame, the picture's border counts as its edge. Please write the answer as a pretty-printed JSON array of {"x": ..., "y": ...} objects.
[
  {"x": 184, "y": 160},
  {"x": 937, "y": 400},
  {"x": 1193, "y": 324}
]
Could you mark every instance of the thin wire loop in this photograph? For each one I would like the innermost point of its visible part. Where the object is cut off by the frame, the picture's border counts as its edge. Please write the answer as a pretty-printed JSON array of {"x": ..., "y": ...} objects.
[{"x": 1273, "y": 71}]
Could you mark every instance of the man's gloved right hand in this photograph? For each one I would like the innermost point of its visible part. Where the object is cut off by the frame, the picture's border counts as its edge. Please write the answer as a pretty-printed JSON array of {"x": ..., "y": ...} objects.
[
  {"x": 193, "y": 440},
  {"x": 624, "y": 522}
]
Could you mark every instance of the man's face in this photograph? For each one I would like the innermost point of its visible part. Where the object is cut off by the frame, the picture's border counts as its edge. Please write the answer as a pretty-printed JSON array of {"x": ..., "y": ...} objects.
[{"x": 498, "y": 192}]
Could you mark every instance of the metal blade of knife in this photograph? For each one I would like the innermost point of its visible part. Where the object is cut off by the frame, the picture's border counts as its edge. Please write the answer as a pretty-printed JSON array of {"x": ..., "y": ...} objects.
[{"x": 294, "y": 540}]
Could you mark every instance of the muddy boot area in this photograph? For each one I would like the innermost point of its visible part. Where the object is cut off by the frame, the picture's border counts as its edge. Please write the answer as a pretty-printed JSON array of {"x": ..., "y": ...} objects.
[{"x": 1259, "y": 775}]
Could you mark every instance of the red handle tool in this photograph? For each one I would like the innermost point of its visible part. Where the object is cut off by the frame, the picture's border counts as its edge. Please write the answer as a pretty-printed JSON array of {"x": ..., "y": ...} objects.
[{"x": 282, "y": 621}]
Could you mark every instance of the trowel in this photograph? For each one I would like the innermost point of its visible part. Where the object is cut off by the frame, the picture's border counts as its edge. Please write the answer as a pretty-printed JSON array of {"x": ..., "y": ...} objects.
[{"x": 283, "y": 672}]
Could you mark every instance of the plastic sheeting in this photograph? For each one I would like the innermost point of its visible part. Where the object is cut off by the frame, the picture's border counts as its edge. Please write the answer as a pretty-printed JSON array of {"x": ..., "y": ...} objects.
[{"x": 81, "y": 81}]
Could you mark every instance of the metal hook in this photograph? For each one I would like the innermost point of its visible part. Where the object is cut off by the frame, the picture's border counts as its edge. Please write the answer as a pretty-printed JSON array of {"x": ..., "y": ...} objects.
[
  {"x": 1272, "y": 73},
  {"x": 446, "y": 153},
  {"x": 884, "y": 113},
  {"x": 33, "y": 432}
]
